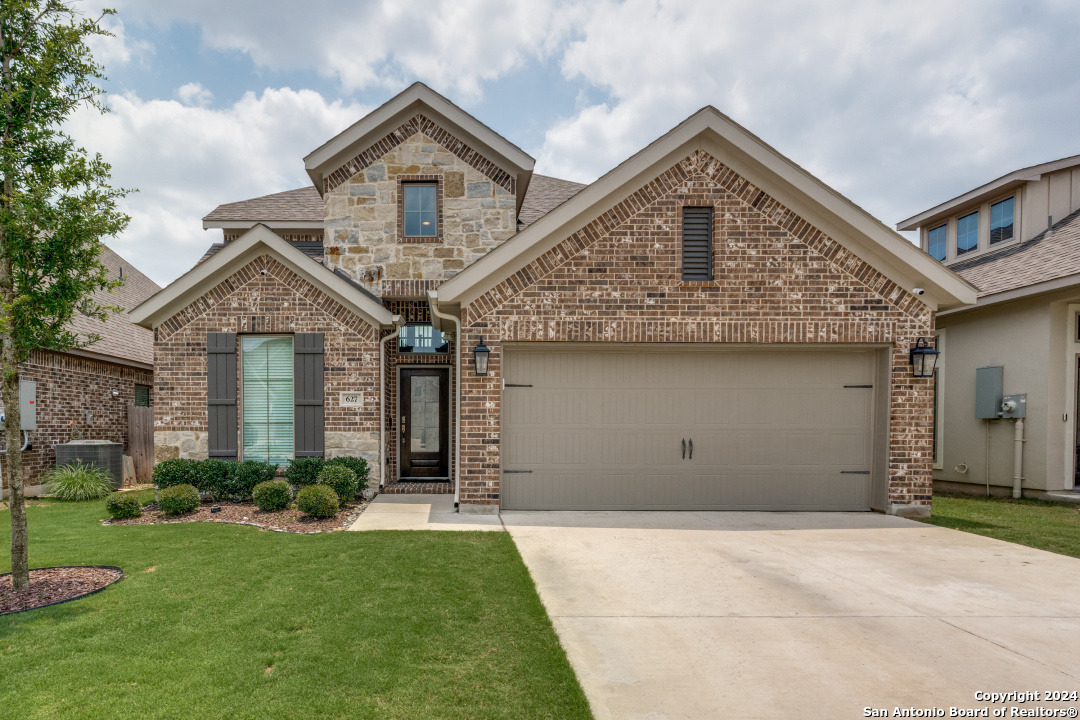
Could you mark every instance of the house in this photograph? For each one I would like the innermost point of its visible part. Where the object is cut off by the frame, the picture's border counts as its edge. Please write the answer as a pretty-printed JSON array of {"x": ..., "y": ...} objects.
[
  {"x": 705, "y": 326},
  {"x": 1017, "y": 239},
  {"x": 87, "y": 393}
]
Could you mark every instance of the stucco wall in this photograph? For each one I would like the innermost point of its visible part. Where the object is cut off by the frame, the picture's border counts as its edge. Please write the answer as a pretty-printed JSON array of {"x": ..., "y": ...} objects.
[{"x": 777, "y": 280}]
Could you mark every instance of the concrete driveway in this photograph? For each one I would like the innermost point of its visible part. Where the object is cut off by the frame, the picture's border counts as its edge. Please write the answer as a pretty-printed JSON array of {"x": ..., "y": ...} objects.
[{"x": 791, "y": 615}]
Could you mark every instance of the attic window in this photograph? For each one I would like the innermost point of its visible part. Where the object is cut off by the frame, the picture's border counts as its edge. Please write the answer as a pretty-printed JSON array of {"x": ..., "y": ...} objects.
[
  {"x": 697, "y": 234},
  {"x": 1001, "y": 221},
  {"x": 421, "y": 212}
]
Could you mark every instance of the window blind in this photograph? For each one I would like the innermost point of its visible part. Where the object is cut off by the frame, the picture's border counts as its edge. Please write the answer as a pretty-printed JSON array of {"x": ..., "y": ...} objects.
[{"x": 268, "y": 398}]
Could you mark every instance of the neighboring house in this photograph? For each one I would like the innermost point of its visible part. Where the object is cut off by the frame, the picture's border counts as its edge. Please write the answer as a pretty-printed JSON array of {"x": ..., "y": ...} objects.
[
  {"x": 705, "y": 326},
  {"x": 86, "y": 393},
  {"x": 1018, "y": 240}
]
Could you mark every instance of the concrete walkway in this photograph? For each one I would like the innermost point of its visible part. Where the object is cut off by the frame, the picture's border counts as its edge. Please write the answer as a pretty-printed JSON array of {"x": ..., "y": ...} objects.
[
  {"x": 421, "y": 512},
  {"x": 789, "y": 615}
]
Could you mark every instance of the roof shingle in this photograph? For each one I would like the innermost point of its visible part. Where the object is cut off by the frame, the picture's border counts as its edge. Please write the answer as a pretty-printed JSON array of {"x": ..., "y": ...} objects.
[
  {"x": 120, "y": 338},
  {"x": 1049, "y": 255},
  {"x": 543, "y": 195},
  {"x": 300, "y": 205}
]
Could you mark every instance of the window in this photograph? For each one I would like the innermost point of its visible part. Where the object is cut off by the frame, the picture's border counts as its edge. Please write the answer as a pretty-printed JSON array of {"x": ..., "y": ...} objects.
[
  {"x": 267, "y": 397},
  {"x": 967, "y": 233},
  {"x": 421, "y": 212},
  {"x": 1001, "y": 221},
  {"x": 937, "y": 241},
  {"x": 422, "y": 339},
  {"x": 142, "y": 396},
  {"x": 697, "y": 231}
]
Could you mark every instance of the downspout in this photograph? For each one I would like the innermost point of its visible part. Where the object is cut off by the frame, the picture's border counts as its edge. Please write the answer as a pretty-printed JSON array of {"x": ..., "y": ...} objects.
[
  {"x": 398, "y": 322},
  {"x": 1018, "y": 458},
  {"x": 432, "y": 300}
]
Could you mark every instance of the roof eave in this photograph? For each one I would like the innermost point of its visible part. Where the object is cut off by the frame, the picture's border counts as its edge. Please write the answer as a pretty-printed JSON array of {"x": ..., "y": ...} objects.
[
  {"x": 414, "y": 99},
  {"x": 1039, "y": 288},
  {"x": 205, "y": 275},
  {"x": 273, "y": 224},
  {"x": 944, "y": 288}
]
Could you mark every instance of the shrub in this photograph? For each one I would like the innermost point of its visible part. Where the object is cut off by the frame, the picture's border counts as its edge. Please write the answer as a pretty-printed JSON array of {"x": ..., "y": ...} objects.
[
  {"x": 317, "y": 501},
  {"x": 304, "y": 471},
  {"x": 177, "y": 471},
  {"x": 272, "y": 495},
  {"x": 123, "y": 505},
  {"x": 341, "y": 480},
  {"x": 249, "y": 474},
  {"x": 178, "y": 499},
  {"x": 78, "y": 482},
  {"x": 359, "y": 467},
  {"x": 215, "y": 477}
]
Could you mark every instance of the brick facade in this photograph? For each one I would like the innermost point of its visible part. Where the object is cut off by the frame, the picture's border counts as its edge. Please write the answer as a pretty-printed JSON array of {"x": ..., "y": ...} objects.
[
  {"x": 363, "y": 214},
  {"x": 777, "y": 279},
  {"x": 279, "y": 302},
  {"x": 68, "y": 387}
]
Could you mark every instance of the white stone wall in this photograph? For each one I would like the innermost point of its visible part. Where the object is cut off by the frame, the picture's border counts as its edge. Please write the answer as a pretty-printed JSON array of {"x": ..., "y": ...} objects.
[{"x": 362, "y": 217}]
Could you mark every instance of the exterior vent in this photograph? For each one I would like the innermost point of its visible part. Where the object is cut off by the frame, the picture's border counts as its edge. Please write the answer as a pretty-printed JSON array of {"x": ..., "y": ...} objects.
[{"x": 697, "y": 232}]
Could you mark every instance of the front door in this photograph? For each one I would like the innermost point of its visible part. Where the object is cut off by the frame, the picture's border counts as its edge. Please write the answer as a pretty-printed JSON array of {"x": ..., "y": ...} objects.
[{"x": 425, "y": 430}]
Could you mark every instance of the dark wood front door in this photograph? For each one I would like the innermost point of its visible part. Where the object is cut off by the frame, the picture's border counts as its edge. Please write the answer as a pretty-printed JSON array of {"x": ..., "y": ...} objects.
[{"x": 424, "y": 437}]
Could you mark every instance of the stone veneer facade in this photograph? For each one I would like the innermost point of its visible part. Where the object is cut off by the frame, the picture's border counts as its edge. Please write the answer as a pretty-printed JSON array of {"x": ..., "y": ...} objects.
[
  {"x": 279, "y": 302},
  {"x": 478, "y": 211},
  {"x": 777, "y": 279},
  {"x": 68, "y": 387}
]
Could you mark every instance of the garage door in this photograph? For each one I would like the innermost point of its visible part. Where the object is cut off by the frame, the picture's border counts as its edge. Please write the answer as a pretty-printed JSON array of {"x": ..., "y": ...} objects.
[{"x": 665, "y": 430}]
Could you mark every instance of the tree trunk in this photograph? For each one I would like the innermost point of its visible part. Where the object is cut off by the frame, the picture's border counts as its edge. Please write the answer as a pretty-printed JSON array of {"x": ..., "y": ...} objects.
[{"x": 9, "y": 390}]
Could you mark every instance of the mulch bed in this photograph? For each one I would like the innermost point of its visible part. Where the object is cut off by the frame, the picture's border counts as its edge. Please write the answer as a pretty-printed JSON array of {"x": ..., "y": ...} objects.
[
  {"x": 50, "y": 586},
  {"x": 290, "y": 520}
]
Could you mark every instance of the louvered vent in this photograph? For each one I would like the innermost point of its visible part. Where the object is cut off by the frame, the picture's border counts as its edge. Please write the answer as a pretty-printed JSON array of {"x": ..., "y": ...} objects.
[{"x": 697, "y": 231}]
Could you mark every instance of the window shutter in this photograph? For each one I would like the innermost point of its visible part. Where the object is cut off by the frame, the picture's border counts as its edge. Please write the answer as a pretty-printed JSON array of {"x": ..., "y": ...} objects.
[
  {"x": 308, "y": 399},
  {"x": 697, "y": 235},
  {"x": 221, "y": 394}
]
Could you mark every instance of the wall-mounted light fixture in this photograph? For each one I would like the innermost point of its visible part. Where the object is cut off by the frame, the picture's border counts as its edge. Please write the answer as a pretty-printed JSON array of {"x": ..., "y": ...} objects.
[
  {"x": 480, "y": 357},
  {"x": 923, "y": 359}
]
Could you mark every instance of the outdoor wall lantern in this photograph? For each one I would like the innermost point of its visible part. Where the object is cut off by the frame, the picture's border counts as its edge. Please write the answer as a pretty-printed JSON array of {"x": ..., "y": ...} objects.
[
  {"x": 923, "y": 359},
  {"x": 480, "y": 355}
]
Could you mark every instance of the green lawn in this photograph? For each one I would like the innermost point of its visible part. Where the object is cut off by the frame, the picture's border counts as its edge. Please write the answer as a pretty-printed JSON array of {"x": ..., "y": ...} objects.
[
  {"x": 223, "y": 621},
  {"x": 1037, "y": 523}
]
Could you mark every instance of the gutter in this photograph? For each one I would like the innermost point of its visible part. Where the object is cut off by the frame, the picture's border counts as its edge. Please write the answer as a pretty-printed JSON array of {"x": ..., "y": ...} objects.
[
  {"x": 398, "y": 321},
  {"x": 432, "y": 302}
]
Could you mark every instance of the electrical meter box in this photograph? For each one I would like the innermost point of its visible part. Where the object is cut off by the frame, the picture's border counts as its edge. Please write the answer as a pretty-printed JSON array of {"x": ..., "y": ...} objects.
[
  {"x": 1013, "y": 407},
  {"x": 988, "y": 384},
  {"x": 27, "y": 406}
]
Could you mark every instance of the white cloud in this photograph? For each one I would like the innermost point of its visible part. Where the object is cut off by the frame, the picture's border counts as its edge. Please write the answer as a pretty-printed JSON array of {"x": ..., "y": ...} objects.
[
  {"x": 193, "y": 93},
  {"x": 117, "y": 48},
  {"x": 186, "y": 160}
]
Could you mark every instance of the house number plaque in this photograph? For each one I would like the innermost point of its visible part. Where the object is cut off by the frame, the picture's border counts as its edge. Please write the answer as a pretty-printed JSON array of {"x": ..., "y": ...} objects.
[{"x": 351, "y": 399}]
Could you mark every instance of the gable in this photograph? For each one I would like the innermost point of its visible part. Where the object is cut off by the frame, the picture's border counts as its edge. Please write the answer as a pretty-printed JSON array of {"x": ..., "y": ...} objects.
[{"x": 626, "y": 264}]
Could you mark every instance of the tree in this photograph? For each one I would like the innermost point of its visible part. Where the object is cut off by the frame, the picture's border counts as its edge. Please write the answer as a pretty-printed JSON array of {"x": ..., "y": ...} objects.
[{"x": 56, "y": 205}]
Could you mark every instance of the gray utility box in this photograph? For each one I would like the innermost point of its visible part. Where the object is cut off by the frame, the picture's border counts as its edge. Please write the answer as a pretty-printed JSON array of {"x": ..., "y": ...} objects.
[
  {"x": 1019, "y": 407},
  {"x": 108, "y": 456},
  {"x": 988, "y": 384},
  {"x": 27, "y": 406}
]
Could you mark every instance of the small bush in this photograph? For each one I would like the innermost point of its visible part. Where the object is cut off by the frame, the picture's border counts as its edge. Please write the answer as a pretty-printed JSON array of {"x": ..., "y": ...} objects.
[
  {"x": 249, "y": 474},
  {"x": 178, "y": 499},
  {"x": 341, "y": 480},
  {"x": 304, "y": 471},
  {"x": 123, "y": 505},
  {"x": 78, "y": 482},
  {"x": 177, "y": 471},
  {"x": 272, "y": 495},
  {"x": 317, "y": 501},
  {"x": 359, "y": 467},
  {"x": 215, "y": 477}
]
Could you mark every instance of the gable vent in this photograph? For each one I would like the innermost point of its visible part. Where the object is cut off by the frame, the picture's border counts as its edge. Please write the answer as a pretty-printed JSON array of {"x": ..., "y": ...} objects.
[{"x": 697, "y": 232}]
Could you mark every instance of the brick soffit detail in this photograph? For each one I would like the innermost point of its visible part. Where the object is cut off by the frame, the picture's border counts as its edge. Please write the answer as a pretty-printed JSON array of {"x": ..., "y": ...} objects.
[
  {"x": 702, "y": 164},
  {"x": 418, "y": 124}
]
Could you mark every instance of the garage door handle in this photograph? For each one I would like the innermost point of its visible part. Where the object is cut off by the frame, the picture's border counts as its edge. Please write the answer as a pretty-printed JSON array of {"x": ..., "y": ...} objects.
[
  {"x": 691, "y": 448},
  {"x": 684, "y": 448}
]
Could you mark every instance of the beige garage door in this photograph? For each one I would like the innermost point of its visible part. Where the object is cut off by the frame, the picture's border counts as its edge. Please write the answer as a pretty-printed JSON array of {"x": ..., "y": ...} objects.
[{"x": 643, "y": 429}]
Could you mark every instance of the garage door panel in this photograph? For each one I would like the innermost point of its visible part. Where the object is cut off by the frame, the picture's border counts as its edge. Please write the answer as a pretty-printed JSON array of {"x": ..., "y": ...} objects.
[{"x": 604, "y": 430}]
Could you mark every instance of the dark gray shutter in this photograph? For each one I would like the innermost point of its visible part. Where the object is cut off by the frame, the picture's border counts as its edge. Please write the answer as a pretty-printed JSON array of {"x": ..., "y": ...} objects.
[
  {"x": 221, "y": 394},
  {"x": 308, "y": 394},
  {"x": 697, "y": 232}
]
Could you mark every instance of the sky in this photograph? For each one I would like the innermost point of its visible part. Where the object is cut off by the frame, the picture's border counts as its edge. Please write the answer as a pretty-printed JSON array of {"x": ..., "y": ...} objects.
[{"x": 897, "y": 105}]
